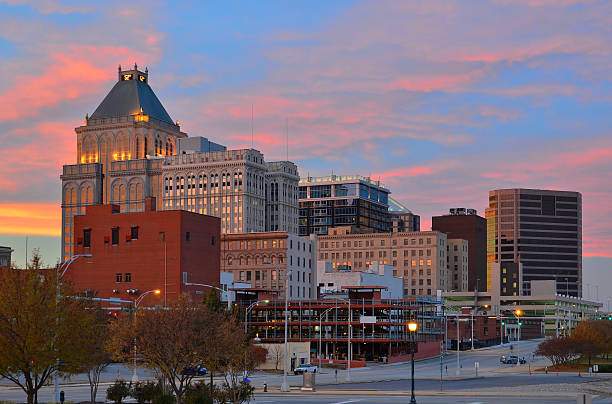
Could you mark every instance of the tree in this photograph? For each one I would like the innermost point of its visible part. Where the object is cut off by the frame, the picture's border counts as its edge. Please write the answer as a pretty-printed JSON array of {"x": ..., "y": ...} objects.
[
  {"x": 277, "y": 351},
  {"x": 169, "y": 340},
  {"x": 37, "y": 328},
  {"x": 558, "y": 350},
  {"x": 96, "y": 357},
  {"x": 237, "y": 355},
  {"x": 212, "y": 301}
]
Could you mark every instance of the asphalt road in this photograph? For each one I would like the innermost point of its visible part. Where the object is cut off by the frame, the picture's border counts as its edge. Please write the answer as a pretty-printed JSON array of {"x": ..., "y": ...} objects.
[
  {"x": 465, "y": 384},
  {"x": 330, "y": 399}
]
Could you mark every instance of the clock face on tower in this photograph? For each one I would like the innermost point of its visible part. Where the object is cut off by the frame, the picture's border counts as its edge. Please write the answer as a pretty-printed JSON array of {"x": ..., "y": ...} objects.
[
  {"x": 127, "y": 77},
  {"x": 142, "y": 78}
]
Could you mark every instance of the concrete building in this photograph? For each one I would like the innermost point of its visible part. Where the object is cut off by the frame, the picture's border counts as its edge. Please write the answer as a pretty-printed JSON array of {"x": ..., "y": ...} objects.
[
  {"x": 402, "y": 218},
  {"x": 135, "y": 252},
  {"x": 556, "y": 314},
  {"x": 458, "y": 264},
  {"x": 332, "y": 282},
  {"x": 5, "y": 256},
  {"x": 245, "y": 255},
  {"x": 281, "y": 191},
  {"x": 542, "y": 230},
  {"x": 127, "y": 151},
  {"x": 417, "y": 257},
  {"x": 351, "y": 200},
  {"x": 129, "y": 124},
  {"x": 462, "y": 223}
]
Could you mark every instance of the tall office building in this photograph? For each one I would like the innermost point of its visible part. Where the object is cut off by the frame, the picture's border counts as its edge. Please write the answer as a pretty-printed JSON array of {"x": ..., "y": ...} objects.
[
  {"x": 327, "y": 202},
  {"x": 466, "y": 224},
  {"x": 130, "y": 149},
  {"x": 118, "y": 152},
  {"x": 540, "y": 229}
]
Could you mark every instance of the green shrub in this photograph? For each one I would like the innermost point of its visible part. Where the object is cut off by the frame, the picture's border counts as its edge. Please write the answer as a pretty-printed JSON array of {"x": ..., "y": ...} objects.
[
  {"x": 118, "y": 391},
  {"x": 198, "y": 393},
  {"x": 605, "y": 368},
  {"x": 164, "y": 399},
  {"x": 144, "y": 392}
]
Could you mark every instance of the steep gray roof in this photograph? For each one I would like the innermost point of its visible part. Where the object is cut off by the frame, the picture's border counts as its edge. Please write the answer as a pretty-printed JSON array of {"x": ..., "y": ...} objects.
[{"x": 127, "y": 98}]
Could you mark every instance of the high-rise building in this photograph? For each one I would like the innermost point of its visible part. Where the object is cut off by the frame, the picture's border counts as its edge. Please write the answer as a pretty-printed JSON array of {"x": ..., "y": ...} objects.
[
  {"x": 417, "y": 257},
  {"x": 130, "y": 149},
  {"x": 117, "y": 151},
  {"x": 540, "y": 229},
  {"x": 465, "y": 224},
  {"x": 457, "y": 260},
  {"x": 353, "y": 200}
]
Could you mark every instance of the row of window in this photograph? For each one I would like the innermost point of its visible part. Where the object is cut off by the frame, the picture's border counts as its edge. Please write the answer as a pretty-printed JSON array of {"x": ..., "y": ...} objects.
[
  {"x": 132, "y": 235},
  {"x": 371, "y": 243},
  {"x": 126, "y": 277}
]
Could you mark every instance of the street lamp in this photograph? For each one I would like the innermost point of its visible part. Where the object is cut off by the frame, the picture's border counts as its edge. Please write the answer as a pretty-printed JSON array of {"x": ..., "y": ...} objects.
[
  {"x": 61, "y": 271},
  {"x": 136, "y": 303},
  {"x": 229, "y": 301},
  {"x": 285, "y": 385},
  {"x": 246, "y": 313},
  {"x": 412, "y": 327},
  {"x": 321, "y": 330},
  {"x": 518, "y": 313}
]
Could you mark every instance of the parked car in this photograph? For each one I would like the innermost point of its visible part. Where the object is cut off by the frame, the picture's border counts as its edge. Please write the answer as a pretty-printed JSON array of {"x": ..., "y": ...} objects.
[
  {"x": 194, "y": 371},
  {"x": 511, "y": 359},
  {"x": 305, "y": 368}
]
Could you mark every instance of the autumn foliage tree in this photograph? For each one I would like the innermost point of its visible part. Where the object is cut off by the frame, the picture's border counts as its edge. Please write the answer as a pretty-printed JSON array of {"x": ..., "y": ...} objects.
[
  {"x": 558, "y": 350},
  {"x": 169, "y": 340},
  {"x": 36, "y": 328}
]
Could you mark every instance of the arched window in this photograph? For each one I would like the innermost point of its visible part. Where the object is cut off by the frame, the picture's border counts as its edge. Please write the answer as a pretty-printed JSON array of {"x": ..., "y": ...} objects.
[
  {"x": 229, "y": 261},
  {"x": 137, "y": 147},
  {"x": 146, "y": 146},
  {"x": 167, "y": 148}
]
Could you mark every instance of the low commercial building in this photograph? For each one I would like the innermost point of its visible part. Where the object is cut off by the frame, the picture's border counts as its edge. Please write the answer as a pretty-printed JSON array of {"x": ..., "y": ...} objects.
[
  {"x": 263, "y": 259},
  {"x": 132, "y": 253},
  {"x": 373, "y": 328},
  {"x": 417, "y": 257},
  {"x": 334, "y": 281},
  {"x": 556, "y": 314}
]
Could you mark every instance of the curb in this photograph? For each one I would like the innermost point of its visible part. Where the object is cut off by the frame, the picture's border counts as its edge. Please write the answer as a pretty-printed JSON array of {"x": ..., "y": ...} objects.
[{"x": 427, "y": 393}]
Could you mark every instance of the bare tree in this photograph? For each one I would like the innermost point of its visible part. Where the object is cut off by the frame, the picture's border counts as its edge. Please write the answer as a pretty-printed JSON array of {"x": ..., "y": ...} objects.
[
  {"x": 169, "y": 340},
  {"x": 276, "y": 352}
]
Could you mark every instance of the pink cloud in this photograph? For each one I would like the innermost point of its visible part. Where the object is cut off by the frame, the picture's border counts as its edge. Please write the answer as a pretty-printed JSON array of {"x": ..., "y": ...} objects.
[{"x": 69, "y": 75}]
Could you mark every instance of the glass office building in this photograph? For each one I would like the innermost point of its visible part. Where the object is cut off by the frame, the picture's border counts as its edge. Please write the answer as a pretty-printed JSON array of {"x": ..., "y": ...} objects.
[{"x": 343, "y": 201}]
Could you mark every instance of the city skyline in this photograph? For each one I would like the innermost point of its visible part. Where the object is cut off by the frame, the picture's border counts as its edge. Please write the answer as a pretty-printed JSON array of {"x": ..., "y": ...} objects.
[{"x": 414, "y": 95}]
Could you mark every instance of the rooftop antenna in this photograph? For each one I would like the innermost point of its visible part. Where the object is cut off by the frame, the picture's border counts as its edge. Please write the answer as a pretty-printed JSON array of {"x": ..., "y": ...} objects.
[
  {"x": 251, "y": 125},
  {"x": 287, "y": 136},
  {"x": 26, "y": 254}
]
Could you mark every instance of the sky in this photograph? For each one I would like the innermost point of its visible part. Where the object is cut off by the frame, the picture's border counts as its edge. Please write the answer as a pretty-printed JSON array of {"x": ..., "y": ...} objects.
[{"x": 440, "y": 100}]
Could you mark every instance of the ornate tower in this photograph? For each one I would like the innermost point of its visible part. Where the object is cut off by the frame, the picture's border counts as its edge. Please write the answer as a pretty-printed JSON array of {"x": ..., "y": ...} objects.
[{"x": 119, "y": 152}]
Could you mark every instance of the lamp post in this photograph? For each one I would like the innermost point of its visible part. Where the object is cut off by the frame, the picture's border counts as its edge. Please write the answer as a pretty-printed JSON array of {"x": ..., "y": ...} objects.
[
  {"x": 412, "y": 327},
  {"x": 285, "y": 385},
  {"x": 61, "y": 271},
  {"x": 229, "y": 301},
  {"x": 458, "y": 342},
  {"x": 518, "y": 313},
  {"x": 136, "y": 303},
  {"x": 246, "y": 314}
]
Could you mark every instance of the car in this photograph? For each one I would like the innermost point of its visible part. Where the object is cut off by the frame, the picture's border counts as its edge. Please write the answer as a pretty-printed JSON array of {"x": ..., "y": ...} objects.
[
  {"x": 305, "y": 368},
  {"x": 194, "y": 371},
  {"x": 512, "y": 359}
]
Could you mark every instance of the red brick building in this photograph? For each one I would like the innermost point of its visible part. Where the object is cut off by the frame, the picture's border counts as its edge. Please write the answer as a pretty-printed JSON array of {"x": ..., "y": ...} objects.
[{"x": 133, "y": 253}]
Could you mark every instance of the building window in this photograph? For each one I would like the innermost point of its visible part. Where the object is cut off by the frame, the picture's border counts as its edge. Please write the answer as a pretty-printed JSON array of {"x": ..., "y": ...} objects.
[
  {"x": 229, "y": 261},
  {"x": 248, "y": 275},
  {"x": 128, "y": 277},
  {"x": 188, "y": 236},
  {"x": 242, "y": 276},
  {"x": 212, "y": 241},
  {"x": 264, "y": 275},
  {"x": 185, "y": 277},
  {"x": 86, "y": 238},
  {"x": 257, "y": 275},
  {"x": 274, "y": 275},
  {"x": 115, "y": 236},
  {"x": 162, "y": 236},
  {"x": 134, "y": 233},
  {"x": 118, "y": 278}
]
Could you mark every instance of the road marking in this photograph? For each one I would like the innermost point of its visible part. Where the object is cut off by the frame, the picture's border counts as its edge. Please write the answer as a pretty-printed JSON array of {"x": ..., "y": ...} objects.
[
  {"x": 477, "y": 402},
  {"x": 346, "y": 402}
]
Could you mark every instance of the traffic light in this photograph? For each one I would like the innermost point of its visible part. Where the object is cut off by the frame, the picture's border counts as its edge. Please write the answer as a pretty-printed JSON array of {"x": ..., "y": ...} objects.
[
  {"x": 520, "y": 323},
  {"x": 503, "y": 323},
  {"x": 610, "y": 318}
]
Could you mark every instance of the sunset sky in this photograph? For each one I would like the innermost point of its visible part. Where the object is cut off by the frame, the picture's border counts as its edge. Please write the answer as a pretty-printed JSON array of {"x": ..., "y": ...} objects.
[{"x": 442, "y": 101}]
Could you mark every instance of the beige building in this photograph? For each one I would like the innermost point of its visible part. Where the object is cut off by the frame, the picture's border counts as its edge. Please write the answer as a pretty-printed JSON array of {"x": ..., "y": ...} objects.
[
  {"x": 457, "y": 257},
  {"x": 417, "y": 257},
  {"x": 244, "y": 256}
]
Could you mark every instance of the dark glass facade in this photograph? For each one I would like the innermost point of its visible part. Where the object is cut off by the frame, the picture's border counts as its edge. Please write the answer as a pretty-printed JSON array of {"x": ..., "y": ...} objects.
[
  {"x": 540, "y": 229},
  {"x": 338, "y": 201}
]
